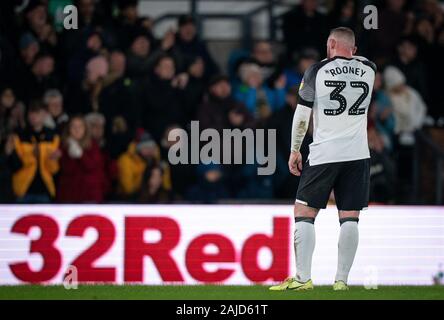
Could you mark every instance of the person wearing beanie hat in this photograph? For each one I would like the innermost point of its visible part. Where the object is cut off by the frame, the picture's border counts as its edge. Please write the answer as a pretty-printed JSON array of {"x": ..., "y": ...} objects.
[
  {"x": 219, "y": 110},
  {"x": 131, "y": 165},
  {"x": 139, "y": 57},
  {"x": 260, "y": 99},
  {"x": 29, "y": 48},
  {"x": 393, "y": 77},
  {"x": 145, "y": 144},
  {"x": 408, "y": 105},
  {"x": 187, "y": 46}
]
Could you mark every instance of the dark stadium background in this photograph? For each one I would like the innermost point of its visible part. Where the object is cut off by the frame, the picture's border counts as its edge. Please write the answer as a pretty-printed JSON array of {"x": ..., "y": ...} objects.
[{"x": 126, "y": 104}]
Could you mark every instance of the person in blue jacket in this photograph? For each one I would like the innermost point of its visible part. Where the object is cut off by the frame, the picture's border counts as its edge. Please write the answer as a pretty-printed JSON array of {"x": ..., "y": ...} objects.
[{"x": 260, "y": 99}]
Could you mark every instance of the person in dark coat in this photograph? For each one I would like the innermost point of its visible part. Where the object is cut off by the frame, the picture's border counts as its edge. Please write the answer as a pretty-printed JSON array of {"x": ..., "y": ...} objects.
[
  {"x": 219, "y": 110},
  {"x": 84, "y": 97},
  {"x": 41, "y": 78},
  {"x": 188, "y": 46},
  {"x": 129, "y": 23},
  {"x": 285, "y": 183},
  {"x": 82, "y": 169},
  {"x": 163, "y": 99},
  {"x": 305, "y": 27},
  {"x": 408, "y": 62},
  {"x": 118, "y": 97},
  {"x": 139, "y": 60},
  {"x": 393, "y": 23},
  {"x": 152, "y": 190},
  {"x": 195, "y": 87},
  {"x": 183, "y": 176}
]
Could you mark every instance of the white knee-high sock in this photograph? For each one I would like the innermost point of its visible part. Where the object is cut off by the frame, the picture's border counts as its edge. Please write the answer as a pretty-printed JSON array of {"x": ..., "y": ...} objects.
[
  {"x": 304, "y": 244},
  {"x": 347, "y": 246}
]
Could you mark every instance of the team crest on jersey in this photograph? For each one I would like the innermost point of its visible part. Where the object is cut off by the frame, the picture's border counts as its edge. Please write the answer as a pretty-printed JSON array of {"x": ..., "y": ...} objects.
[{"x": 301, "y": 85}]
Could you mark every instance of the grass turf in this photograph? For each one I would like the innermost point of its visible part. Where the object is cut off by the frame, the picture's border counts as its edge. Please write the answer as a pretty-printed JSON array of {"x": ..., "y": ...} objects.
[{"x": 212, "y": 292}]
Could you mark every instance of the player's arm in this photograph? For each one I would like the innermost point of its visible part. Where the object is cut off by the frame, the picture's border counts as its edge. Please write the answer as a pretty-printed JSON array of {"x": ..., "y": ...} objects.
[{"x": 301, "y": 120}]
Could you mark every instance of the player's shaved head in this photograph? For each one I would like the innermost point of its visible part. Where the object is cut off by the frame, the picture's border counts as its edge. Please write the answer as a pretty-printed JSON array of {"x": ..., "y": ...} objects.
[
  {"x": 341, "y": 42},
  {"x": 343, "y": 35}
]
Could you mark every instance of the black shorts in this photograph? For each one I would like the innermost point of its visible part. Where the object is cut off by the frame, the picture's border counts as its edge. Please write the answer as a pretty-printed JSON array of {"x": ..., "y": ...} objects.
[{"x": 349, "y": 180}]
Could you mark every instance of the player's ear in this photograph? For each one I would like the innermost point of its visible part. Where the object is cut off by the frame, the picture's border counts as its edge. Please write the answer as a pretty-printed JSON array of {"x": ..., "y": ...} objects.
[{"x": 354, "y": 50}]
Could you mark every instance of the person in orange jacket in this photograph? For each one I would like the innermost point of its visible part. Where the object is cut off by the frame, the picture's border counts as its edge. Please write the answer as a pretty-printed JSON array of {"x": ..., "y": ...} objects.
[
  {"x": 142, "y": 152},
  {"x": 35, "y": 159}
]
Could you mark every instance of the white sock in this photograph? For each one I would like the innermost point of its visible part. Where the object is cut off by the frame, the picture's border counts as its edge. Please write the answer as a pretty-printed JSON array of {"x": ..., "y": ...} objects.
[
  {"x": 304, "y": 244},
  {"x": 347, "y": 246}
]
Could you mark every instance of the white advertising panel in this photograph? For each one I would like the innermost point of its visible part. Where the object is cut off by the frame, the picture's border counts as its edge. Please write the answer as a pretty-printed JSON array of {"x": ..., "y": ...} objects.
[{"x": 228, "y": 244}]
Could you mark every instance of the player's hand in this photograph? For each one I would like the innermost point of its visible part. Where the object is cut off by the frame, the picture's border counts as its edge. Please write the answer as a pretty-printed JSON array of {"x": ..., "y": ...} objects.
[{"x": 295, "y": 163}]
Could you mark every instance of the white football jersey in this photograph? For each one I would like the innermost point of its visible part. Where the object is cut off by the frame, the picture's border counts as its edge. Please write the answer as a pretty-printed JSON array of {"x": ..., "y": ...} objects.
[{"x": 339, "y": 91}]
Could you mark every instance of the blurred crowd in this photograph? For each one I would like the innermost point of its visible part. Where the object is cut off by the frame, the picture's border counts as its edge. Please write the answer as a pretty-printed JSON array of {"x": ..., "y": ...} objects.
[{"x": 85, "y": 114}]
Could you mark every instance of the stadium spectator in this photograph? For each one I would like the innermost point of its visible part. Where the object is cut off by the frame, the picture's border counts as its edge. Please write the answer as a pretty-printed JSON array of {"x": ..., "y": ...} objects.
[
  {"x": 83, "y": 98},
  {"x": 382, "y": 169},
  {"x": 381, "y": 114},
  {"x": 435, "y": 69},
  {"x": 263, "y": 56},
  {"x": 260, "y": 99},
  {"x": 188, "y": 46},
  {"x": 297, "y": 66},
  {"x": 163, "y": 98},
  {"x": 129, "y": 23},
  {"x": 113, "y": 65},
  {"x": 6, "y": 150},
  {"x": 56, "y": 118},
  {"x": 42, "y": 76},
  {"x": 89, "y": 17},
  {"x": 15, "y": 62},
  {"x": 195, "y": 87},
  {"x": 282, "y": 120},
  {"x": 119, "y": 96},
  {"x": 141, "y": 153},
  {"x": 409, "y": 108},
  {"x": 210, "y": 186},
  {"x": 35, "y": 159},
  {"x": 219, "y": 110},
  {"x": 96, "y": 127},
  {"x": 410, "y": 113},
  {"x": 183, "y": 176},
  {"x": 12, "y": 113},
  {"x": 382, "y": 44},
  {"x": 408, "y": 63},
  {"x": 345, "y": 14},
  {"x": 88, "y": 46},
  {"x": 153, "y": 190},
  {"x": 82, "y": 175},
  {"x": 305, "y": 27},
  {"x": 29, "y": 48},
  {"x": 139, "y": 60},
  {"x": 36, "y": 17}
]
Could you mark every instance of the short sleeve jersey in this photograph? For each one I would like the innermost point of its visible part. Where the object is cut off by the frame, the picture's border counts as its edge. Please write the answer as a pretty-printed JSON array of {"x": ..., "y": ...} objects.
[{"x": 339, "y": 91}]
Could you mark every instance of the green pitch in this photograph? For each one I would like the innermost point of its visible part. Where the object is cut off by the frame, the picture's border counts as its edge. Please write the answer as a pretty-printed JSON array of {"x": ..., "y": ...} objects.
[{"x": 212, "y": 292}]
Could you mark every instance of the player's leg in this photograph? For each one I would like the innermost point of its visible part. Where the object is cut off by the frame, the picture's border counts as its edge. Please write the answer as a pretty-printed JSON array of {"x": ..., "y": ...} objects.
[
  {"x": 347, "y": 246},
  {"x": 304, "y": 244},
  {"x": 351, "y": 192},
  {"x": 304, "y": 240},
  {"x": 313, "y": 193}
]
